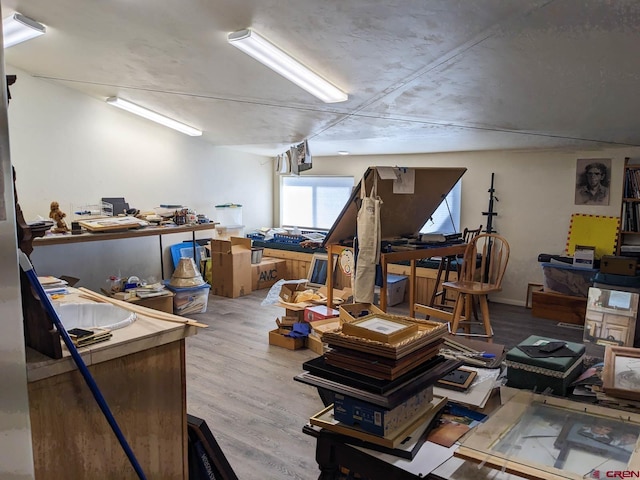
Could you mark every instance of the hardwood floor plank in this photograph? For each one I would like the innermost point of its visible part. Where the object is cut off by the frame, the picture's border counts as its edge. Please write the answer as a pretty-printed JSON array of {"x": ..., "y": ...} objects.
[{"x": 244, "y": 388}]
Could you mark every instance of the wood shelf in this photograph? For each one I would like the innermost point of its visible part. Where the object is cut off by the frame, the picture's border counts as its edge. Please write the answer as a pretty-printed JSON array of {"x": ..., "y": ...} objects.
[{"x": 66, "y": 238}]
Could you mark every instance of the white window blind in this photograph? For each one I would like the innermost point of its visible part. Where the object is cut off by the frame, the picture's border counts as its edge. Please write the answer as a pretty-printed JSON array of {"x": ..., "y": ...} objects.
[{"x": 313, "y": 202}]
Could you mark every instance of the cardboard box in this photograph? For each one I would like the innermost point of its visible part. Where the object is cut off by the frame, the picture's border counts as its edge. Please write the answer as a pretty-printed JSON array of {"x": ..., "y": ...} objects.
[
  {"x": 277, "y": 337},
  {"x": 618, "y": 265},
  {"x": 318, "y": 327},
  {"x": 351, "y": 311},
  {"x": 584, "y": 256},
  {"x": 342, "y": 295},
  {"x": 378, "y": 420},
  {"x": 287, "y": 321},
  {"x": 231, "y": 267},
  {"x": 319, "y": 312},
  {"x": 321, "y": 326},
  {"x": 315, "y": 344},
  {"x": 289, "y": 290},
  {"x": 267, "y": 272}
]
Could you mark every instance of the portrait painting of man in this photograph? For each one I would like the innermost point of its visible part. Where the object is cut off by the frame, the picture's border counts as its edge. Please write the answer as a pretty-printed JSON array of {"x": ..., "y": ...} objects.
[{"x": 592, "y": 181}]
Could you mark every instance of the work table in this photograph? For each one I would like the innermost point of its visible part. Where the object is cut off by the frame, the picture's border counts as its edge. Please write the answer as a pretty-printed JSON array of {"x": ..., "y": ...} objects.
[{"x": 141, "y": 374}]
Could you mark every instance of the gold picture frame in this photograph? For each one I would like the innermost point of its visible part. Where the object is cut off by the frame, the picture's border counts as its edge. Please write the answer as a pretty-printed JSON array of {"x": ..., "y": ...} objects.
[
  {"x": 621, "y": 372},
  {"x": 381, "y": 328},
  {"x": 551, "y": 438}
]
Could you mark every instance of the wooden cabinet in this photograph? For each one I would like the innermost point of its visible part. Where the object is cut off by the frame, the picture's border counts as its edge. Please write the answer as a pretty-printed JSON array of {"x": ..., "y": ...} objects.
[
  {"x": 141, "y": 374},
  {"x": 629, "y": 238}
]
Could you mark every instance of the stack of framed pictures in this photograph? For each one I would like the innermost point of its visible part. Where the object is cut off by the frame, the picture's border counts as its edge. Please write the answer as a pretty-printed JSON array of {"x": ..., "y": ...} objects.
[{"x": 381, "y": 370}]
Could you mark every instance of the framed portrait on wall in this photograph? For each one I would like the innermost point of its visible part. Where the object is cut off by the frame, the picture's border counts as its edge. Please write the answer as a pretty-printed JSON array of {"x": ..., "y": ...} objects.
[{"x": 592, "y": 181}]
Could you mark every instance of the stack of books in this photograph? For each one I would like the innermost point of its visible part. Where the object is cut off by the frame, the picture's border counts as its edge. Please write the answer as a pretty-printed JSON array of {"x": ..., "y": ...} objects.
[
  {"x": 82, "y": 337},
  {"x": 53, "y": 285},
  {"x": 381, "y": 369}
]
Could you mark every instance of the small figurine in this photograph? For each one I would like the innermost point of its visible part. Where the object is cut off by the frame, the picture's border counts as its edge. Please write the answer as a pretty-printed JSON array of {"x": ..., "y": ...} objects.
[{"x": 57, "y": 216}]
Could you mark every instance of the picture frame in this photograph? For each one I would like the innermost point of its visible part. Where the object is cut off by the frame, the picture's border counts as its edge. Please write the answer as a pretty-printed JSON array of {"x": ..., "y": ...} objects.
[
  {"x": 610, "y": 317},
  {"x": 539, "y": 436},
  {"x": 592, "y": 181},
  {"x": 381, "y": 328},
  {"x": 621, "y": 373},
  {"x": 205, "y": 455}
]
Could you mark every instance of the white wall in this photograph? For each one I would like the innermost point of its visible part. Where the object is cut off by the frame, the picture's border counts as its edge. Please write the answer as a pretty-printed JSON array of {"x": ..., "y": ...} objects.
[
  {"x": 535, "y": 191},
  {"x": 76, "y": 149}
]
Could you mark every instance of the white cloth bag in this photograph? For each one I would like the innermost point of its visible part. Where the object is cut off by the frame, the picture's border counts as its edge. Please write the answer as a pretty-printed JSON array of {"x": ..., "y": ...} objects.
[{"x": 369, "y": 236}]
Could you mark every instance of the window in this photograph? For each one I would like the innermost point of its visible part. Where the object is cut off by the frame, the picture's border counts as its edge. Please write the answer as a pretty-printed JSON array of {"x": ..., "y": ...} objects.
[
  {"x": 446, "y": 220},
  {"x": 313, "y": 202}
]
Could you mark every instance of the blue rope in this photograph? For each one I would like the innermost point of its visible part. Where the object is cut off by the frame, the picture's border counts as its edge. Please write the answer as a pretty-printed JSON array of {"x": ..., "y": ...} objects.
[{"x": 48, "y": 306}]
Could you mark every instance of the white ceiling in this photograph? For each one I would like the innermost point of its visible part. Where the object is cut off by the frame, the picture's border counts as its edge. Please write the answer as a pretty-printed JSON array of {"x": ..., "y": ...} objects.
[{"x": 422, "y": 75}]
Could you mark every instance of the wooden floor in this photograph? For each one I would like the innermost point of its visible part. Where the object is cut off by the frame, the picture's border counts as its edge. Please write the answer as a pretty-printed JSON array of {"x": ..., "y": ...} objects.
[{"x": 244, "y": 388}]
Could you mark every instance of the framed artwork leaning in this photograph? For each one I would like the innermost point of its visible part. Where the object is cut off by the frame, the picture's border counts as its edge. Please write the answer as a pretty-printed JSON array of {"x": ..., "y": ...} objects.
[
  {"x": 544, "y": 437},
  {"x": 621, "y": 373},
  {"x": 610, "y": 317}
]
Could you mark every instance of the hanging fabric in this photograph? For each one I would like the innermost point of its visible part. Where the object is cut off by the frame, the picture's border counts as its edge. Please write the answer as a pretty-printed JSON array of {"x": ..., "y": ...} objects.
[{"x": 368, "y": 239}]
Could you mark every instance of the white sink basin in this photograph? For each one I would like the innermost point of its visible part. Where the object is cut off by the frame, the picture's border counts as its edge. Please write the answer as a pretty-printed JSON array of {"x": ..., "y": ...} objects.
[{"x": 88, "y": 315}]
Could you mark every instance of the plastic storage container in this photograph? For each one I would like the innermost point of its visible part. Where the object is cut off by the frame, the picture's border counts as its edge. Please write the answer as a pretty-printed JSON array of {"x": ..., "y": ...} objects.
[
  {"x": 225, "y": 233},
  {"x": 190, "y": 300},
  {"x": 396, "y": 285},
  {"x": 229, "y": 215},
  {"x": 185, "y": 249},
  {"x": 567, "y": 279}
]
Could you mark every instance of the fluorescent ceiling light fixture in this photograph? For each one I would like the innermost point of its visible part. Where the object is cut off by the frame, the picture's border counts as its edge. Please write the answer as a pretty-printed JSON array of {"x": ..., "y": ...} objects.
[
  {"x": 17, "y": 28},
  {"x": 267, "y": 53},
  {"x": 156, "y": 117},
  {"x": 343, "y": 152}
]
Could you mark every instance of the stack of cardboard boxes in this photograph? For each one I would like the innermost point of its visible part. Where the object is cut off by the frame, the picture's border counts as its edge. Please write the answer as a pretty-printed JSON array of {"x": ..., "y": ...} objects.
[{"x": 231, "y": 273}]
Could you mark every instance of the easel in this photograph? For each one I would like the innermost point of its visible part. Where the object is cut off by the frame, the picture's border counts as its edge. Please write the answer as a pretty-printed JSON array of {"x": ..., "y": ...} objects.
[{"x": 490, "y": 213}]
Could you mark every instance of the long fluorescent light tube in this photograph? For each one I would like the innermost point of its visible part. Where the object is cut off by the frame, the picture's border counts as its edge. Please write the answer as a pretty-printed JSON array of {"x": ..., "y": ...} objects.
[
  {"x": 17, "y": 28},
  {"x": 156, "y": 117},
  {"x": 267, "y": 53}
]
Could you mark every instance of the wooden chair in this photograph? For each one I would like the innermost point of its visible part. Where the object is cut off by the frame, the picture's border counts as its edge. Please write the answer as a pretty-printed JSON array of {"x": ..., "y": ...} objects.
[
  {"x": 483, "y": 266},
  {"x": 446, "y": 265}
]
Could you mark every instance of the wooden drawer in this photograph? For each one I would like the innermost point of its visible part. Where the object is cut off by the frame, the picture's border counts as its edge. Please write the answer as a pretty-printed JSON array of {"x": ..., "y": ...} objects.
[{"x": 555, "y": 306}]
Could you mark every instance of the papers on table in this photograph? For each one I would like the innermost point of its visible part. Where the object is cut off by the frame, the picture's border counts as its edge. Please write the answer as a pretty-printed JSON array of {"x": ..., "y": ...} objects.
[{"x": 479, "y": 391}]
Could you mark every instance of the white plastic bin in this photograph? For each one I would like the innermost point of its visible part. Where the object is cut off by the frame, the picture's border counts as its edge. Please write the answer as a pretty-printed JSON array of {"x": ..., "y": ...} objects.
[{"x": 229, "y": 215}]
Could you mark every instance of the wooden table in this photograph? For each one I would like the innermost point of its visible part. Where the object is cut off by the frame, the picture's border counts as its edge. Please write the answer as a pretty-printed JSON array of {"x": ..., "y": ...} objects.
[
  {"x": 141, "y": 374},
  {"x": 395, "y": 257}
]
